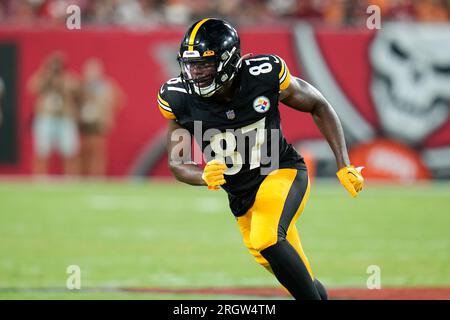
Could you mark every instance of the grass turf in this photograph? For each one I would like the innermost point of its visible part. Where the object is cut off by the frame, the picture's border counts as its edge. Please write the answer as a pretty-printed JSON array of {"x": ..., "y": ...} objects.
[{"x": 174, "y": 236}]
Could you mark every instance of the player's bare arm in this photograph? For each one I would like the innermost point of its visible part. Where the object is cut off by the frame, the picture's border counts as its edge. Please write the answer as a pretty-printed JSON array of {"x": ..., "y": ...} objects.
[
  {"x": 187, "y": 172},
  {"x": 302, "y": 96}
]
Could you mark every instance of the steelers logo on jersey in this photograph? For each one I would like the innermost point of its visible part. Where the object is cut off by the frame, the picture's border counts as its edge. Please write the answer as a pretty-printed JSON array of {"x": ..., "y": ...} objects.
[{"x": 261, "y": 104}]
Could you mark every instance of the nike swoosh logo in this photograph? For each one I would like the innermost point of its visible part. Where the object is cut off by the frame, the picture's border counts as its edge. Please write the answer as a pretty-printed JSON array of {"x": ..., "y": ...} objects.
[{"x": 162, "y": 90}]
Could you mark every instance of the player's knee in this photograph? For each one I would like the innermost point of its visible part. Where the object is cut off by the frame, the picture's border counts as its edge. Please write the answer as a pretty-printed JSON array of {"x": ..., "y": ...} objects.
[
  {"x": 262, "y": 240},
  {"x": 258, "y": 257}
]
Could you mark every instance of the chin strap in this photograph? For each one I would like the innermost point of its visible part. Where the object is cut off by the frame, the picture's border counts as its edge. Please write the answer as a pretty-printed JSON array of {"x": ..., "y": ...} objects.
[
  {"x": 206, "y": 92},
  {"x": 245, "y": 56}
]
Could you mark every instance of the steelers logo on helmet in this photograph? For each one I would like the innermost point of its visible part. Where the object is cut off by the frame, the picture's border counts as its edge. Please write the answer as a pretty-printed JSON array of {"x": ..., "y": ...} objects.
[
  {"x": 209, "y": 56},
  {"x": 261, "y": 104}
]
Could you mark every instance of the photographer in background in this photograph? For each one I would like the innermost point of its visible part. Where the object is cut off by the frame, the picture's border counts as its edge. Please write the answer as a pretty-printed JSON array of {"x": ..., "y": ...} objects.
[
  {"x": 55, "y": 115},
  {"x": 101, "y": 99}
]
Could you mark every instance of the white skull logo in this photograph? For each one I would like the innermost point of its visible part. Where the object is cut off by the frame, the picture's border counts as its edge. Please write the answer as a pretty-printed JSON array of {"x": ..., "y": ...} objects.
[{"x": 411, "y": 83}]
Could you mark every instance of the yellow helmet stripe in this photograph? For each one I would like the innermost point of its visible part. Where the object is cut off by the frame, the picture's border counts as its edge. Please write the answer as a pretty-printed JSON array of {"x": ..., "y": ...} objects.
[{"x": 194, "y": 33}]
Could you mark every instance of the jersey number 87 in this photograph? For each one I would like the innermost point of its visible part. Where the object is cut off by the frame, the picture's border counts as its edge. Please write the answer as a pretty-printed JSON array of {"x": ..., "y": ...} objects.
[{"x": 231, "y": 147}]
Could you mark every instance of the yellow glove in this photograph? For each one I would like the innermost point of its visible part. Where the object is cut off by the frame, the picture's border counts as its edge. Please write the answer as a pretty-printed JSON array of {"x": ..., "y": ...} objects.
[
  {"x": 213, "y": 174},
  {"x": 352, "y": 179}
]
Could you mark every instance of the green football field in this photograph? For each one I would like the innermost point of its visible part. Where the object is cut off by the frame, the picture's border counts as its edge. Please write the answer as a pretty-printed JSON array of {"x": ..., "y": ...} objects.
[{"x": 165, "y": 235}]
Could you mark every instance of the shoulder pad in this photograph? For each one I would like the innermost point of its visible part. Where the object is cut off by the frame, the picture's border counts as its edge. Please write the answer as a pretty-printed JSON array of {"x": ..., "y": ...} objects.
[
  {"x": 168, "y": 97},
  {"x": 284, "y": 76},
  {"x": 269, "y": 68}
]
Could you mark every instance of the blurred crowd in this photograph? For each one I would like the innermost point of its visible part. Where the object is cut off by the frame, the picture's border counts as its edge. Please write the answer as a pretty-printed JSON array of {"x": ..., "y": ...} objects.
[
  {"x": 180, "y": 12},
  {"x": 73, "y": 114}
]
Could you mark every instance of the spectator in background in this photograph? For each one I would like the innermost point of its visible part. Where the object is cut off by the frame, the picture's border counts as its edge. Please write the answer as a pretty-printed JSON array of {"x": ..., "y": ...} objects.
[
  {"x": 55, "y": 11},
  {"x": 309, "y": 10},
  {"x": 181, "y": 12},
  {"x": 101, "y": 100},
  {"x": 152, "y": 12},
  {"x": 128, "y": 12},
  {"x": 23, "y": 11},
  {"x": 54, "y": 123},
  {"x": 432, "y": 10},
  {"x": 100, "y": 12},
  {"x": 399, "y": 10},
  {"x": 200, "y": 9},
  {"x": 228, "y": 8},
  {"x": 176, "y": 12},
  {"x": 254, "y": 12}
]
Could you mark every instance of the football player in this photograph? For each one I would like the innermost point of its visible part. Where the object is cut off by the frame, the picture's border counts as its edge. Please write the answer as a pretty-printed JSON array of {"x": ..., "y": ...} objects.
[{"x": 220, "y": 97}]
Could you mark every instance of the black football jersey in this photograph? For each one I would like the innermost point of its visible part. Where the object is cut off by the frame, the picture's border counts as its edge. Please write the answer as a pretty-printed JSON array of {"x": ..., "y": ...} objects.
[{"x": 245, "y": 133}]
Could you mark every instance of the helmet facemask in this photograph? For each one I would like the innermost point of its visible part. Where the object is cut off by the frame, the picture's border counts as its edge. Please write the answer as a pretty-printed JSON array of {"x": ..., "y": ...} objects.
[{"x": 205, "y": 75}]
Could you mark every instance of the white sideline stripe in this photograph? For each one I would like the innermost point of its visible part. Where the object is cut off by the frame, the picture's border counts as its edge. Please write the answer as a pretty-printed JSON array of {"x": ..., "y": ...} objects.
[
  {"x": 210, "y": 206},
  {"x": 108, "y": 202}
]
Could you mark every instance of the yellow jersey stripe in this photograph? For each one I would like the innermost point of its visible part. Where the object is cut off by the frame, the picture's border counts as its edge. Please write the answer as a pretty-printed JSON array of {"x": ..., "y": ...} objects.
[
  {"x": 164, "y": 102},
  {"x": 166, "y": 114},
  {"x": 282, "y": 69},
  {"x": 164, "y": 107},
  {"x": 194, "y": 33},
  {"x": 287, "y": 80},
  {"x": 284, "y": 75}
]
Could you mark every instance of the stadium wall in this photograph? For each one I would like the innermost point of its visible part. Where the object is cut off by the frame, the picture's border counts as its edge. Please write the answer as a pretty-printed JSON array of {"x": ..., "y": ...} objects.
[{"x": 350, "y": 67}]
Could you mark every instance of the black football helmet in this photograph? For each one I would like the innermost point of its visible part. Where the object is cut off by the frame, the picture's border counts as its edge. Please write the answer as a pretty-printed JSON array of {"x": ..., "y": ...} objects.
[{"x": 209, "y": 56}]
